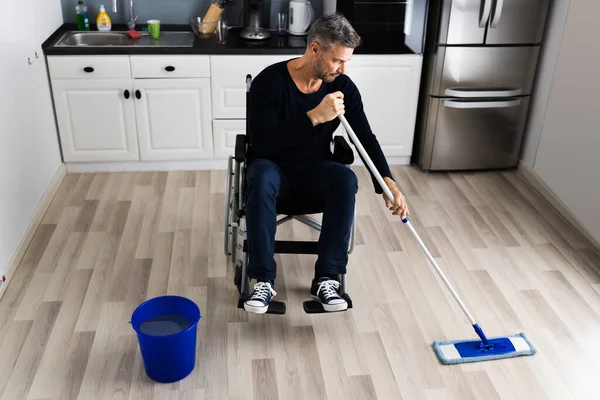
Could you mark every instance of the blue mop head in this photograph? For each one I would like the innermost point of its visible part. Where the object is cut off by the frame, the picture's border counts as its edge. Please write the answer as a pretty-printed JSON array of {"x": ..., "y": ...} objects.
[{"x": 463, "y": 351}]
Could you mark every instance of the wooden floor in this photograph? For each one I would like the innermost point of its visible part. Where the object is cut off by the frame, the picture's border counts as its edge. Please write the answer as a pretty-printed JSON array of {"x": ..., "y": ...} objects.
[{"x": 110, "y": 241}]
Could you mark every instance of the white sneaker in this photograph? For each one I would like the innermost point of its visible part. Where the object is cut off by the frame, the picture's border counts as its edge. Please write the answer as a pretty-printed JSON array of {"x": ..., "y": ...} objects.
[
  {"x": 259, "y": 300},
  {"x": 325, "y": 291}
]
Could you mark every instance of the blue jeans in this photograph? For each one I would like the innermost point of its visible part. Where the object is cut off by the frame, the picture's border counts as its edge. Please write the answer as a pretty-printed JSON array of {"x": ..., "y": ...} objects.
[{"x": 331, "y": 185}]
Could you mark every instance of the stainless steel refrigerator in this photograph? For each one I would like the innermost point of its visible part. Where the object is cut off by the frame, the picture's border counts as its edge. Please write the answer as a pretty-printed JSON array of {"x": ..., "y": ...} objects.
[{"x": 480, "y": 62}]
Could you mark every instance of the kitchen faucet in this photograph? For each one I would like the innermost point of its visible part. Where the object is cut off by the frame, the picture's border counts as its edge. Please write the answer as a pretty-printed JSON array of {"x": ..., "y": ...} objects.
[{"x": 132, "y": 19}]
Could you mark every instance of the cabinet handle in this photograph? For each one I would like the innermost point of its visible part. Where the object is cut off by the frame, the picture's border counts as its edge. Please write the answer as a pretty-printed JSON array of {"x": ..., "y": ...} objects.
[
  {"x": 126, "y": 93},
  {"x": 138, "y": 94},
  {"x": 170, "y": 68},
  {"x": 88, "y": 69}
]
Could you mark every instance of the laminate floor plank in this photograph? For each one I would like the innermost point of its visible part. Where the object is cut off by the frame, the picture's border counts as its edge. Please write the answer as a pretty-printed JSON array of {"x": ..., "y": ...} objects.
[
  {"x": 23, "y": 373},
  {"x": 48, "y": 379},
  {"x": 11, "y": 348}
]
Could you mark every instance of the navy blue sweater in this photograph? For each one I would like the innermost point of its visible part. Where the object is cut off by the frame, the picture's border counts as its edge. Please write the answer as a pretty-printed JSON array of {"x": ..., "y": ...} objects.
[{"x": 281, "y": 131}]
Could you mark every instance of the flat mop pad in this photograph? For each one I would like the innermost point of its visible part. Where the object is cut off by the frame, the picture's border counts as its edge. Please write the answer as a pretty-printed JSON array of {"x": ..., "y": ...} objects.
[
  {"x": 459, "y": 351},
  {"x": 463, "y": 351}
]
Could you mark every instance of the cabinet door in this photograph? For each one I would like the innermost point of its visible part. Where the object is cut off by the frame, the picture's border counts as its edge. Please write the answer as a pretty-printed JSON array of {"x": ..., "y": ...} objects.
[
  {"x": 389, "y": 87},
  {"x": 229, "y": 98},
  {"x": 173, "y": 118},
  {"x": 228, "y": 75},
  {"x": 224, "y": 132},
  {"x": 96, "y": 119}
]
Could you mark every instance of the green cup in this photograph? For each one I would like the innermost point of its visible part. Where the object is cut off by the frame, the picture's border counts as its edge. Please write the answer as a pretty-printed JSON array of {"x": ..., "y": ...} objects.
[{"x": 154, "y": 28}]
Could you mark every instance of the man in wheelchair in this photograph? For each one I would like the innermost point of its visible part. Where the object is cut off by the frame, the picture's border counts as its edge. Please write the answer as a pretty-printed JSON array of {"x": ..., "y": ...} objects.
[{"x": 293, "y": 109}]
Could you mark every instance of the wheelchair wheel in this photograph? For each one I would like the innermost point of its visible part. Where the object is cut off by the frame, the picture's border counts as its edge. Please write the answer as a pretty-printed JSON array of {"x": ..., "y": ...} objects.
[
  {"x": 235, "y": 206},
  {"x": 230, "y": 221},
  {"x": 234, "y": 243}
]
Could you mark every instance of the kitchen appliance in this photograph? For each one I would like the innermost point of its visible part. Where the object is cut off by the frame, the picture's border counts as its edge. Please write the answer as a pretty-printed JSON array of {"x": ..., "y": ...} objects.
[
  {"x": 253, "y": 17},
  {"x": 301, "y": 15},
  {"x": 329, "y": 6},
  {"x": 386, "y": 26},
  {"x": 479, "y": 67}
]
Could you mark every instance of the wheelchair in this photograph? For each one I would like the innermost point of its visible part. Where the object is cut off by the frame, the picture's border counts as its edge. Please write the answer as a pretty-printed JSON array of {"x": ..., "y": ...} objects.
[{"x": 235, "y": 234}]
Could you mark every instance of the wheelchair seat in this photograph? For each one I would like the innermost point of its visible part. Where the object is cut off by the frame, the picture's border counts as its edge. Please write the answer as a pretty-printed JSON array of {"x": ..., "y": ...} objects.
[
  {"x": 290, "y": 208},
  {"x": 296, "y": 207}
]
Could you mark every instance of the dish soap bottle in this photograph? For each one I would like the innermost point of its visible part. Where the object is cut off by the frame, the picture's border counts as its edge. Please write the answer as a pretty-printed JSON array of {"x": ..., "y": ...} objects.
[
  {"x": 83, "y": 22},
  {"x": 103, "y": 20}
]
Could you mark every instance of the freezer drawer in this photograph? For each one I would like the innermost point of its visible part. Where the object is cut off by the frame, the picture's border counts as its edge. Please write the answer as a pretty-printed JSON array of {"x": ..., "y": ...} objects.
[
  {"x": 472, "y": 71},
  {"x": 474, "y": 134}
]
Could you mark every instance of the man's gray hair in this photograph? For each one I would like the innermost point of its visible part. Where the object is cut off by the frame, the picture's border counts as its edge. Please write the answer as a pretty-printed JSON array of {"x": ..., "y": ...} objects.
[{"x": 333, "y": 28}]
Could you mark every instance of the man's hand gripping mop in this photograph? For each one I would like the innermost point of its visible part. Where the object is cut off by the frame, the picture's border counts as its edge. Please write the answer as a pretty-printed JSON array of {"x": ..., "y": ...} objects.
[{"x": 459, "y": 351}]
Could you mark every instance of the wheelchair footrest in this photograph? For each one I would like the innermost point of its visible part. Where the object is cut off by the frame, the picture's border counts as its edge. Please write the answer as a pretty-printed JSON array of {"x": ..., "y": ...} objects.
[
  {"x": 292, "y": 247},
  {"x": 315, "y": 307},
  {"x": 275, "y": 307}
]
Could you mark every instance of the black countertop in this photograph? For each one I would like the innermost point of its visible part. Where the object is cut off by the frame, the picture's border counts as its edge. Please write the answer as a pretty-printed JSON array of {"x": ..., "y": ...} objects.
[{"x": 287, "y": 44}]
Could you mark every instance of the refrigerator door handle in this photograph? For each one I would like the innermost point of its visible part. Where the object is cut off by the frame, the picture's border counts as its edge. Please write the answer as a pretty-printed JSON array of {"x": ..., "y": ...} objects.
[
  {"x": 484, "y": 15},
  {"x": 463, "y": 93},
  {"x": 481, "y": 104},
  {"x": 497, "y": 13}
]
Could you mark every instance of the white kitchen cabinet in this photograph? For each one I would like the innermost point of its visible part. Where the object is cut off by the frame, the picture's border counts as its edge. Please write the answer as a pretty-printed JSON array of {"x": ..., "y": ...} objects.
[
  {"x": 228, "y": 98},
  {"x": 96, "y": 119},
  {"x": 89, "y": 67},
  {"x": 224, "y": 133},
  {"x": 173, "y": 118},
  {"x": 191, "y": 107},
  {"x": 170, "y": 66},
  {"x": 389, "y": 87},
  {"x": 228, "y": 78}
]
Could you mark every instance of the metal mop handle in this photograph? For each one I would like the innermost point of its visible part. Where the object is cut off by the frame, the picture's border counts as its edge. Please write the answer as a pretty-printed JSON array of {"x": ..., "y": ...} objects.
[{"x": 388, "y": 193}]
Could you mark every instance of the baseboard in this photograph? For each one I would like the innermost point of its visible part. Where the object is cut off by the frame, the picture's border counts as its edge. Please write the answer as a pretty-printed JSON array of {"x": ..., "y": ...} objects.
[
  {"x": 538, "y": 184},
  {"x": 34, "y": 223},
  {"x": 131, "y": 166},
  {"x": 195, "y": 165}
]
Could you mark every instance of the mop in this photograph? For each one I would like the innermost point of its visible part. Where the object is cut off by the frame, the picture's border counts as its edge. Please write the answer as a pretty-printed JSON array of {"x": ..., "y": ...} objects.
[{"x": 457, "y": 351}]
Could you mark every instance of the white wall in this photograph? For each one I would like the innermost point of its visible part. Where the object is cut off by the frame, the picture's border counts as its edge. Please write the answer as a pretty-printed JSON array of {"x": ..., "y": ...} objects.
[
  {"x": 48, "y": 16},
  {"x": 557, "y": 16},
  {"x": 568, "y": 156},
  {"x": 29, "y": 151}
]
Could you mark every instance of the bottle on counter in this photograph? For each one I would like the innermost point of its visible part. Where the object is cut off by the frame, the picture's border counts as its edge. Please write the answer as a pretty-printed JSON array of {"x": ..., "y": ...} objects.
[
  {"x": 83, "y": 22},
  {"x": 103, "y": 20}
]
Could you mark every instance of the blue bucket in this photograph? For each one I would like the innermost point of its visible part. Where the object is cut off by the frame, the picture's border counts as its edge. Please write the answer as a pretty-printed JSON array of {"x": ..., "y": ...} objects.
[{"x": 166, "y": 329}]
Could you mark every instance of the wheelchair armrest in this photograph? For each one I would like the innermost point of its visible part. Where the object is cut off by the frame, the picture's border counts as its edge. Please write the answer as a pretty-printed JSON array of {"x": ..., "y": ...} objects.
[
  {"x": 240, "y": 148},
  {"x": 342, "y": 152}
]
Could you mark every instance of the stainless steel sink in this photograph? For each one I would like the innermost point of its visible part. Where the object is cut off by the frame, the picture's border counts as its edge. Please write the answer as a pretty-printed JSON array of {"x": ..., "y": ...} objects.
[
  {"x": 120, "y": 39},
  {"x": 94, "y": 39}
]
